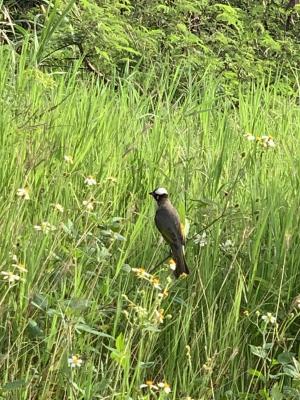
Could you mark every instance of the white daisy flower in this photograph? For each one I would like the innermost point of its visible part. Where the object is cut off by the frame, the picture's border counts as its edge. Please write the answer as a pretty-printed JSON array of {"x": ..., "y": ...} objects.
[
  {"x": 149, "y": 384},
  {"x": 249, "y": 137},
  {"x": 201, "y": 239},
  {"x": 75, "y": 361},
  {"x": 172, "y": 264},
  {"x": 24, "y": 193},
  {"x": 68, "y": 159},
  {"x": 89, "y": 205},
  {"x": 59, "y": 207},
  {"x": 269, "y": 318},
  {"x": 155, "y": 282},
  {"x": 90, "y": 181},
  {"x": 10, "y": 277},
  {"x": 268, "y": 141},
  {"x": 45, "y": 227},
  {"x": 141, "y": 272},
  {"x": 159, "y": 316},
  {"x": 227, "y": 245},
  {"x": 165, "y": 386}
]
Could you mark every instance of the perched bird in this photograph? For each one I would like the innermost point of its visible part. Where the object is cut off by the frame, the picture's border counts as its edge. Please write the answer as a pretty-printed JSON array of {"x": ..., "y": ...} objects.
[{"x": 168, "y": 223}]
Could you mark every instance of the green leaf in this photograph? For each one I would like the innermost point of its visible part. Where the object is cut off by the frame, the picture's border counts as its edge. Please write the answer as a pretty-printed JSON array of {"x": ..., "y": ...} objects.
[
  {"x": 119, "y": 354},
  {"x": 128, "y": 49},
  {"x": 17, "y": 384},
  {"x": 291, "y": 371},
  {"x": 230, "y": 15},
  {"x": 268, "y": 346},
  {"x": 39, "y": 302},
  {"x": 270, "y": 43},
  {"x": 162, "y": 8},
  {"x": 285, "y": 357},
  {"x": 149, "y": 364},
  {"x": 106, "y": 232},
  {"x": 102, "y": 253},
  {"x": 258, "y": 351},
  {"x": 54, "y": 20},
  {"x": 103, "y": 54},
  {"x": 116, "y": 222},
  {"x": 34, "y": 330},
  {"x": 69, "y": 228},
  {"x": 182, "y": 28},
  {"x": 258, "y": 374},
  {"x": 80, "y": 327},
  {"x": 274, "y": 362},
  {"x": 291, "y": 393},
  {"x": 276, "y": 393},
  {"x": 264, "y": 394},
  {"x": 77, "y": 304},
  {"x": 119, "y": 237},
  {"x": 126, "y": 268},
  {"x": 120, "y": 343},
  {"x": 151, "y": 328}
]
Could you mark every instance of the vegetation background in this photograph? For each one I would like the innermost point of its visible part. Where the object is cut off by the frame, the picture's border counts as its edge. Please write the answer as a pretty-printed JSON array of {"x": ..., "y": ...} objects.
[{"x": 101, "y": 102}]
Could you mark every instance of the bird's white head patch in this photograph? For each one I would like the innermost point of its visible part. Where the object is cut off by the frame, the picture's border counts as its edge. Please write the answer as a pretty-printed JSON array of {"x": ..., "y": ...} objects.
[
  {"x": 159, "y": 194},
  {"x": 160, "y": 191}
]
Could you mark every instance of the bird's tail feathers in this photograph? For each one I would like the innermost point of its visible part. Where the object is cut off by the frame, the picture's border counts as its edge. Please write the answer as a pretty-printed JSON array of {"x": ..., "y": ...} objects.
[{"x": 181, "y": 265}]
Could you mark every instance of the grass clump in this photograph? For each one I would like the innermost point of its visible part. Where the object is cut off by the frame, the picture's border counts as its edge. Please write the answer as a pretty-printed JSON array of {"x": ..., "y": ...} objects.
[{"x": 84, "y": 313}]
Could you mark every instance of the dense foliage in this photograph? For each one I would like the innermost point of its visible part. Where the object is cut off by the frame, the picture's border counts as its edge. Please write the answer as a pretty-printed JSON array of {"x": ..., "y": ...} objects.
[
  {"x": 101, "y": 102},
  {"x": 87, "y": 310},
  {"x": 237, "y": 40}
]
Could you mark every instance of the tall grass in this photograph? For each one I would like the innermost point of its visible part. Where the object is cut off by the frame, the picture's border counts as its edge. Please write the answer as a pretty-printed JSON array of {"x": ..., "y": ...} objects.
[{"x": 79, "y": 294}]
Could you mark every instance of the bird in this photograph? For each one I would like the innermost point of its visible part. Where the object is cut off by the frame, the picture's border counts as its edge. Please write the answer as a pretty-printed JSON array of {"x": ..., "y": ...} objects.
[{"x": 168, "y": 223}]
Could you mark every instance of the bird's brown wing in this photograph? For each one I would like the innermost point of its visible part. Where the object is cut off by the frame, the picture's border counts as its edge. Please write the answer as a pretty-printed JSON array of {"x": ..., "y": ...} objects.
[{"x": 167, "y": 222}]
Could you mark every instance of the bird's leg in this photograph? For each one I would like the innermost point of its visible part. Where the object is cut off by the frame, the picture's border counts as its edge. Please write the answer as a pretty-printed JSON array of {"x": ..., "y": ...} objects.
[{"x": 160, "y": 263}]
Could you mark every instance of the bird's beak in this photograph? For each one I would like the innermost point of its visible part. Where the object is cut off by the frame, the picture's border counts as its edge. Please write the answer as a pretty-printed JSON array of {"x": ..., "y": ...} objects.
[{"x": 151, "y": 193}]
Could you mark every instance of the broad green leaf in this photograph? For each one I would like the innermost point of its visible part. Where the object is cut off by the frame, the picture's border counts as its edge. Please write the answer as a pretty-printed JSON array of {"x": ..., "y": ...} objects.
[
  {"x": 276, "y": 393},
  {"x": 39, "y": 301},
  {"x": 258, "y": 351},
  {"x": 34, "y": 330},
  {"x": 17, "y": 384},
  {"x": 256, "y": 373},
  {"x": 80, "y": 327},
  {"x": 285, "y": 357}
]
